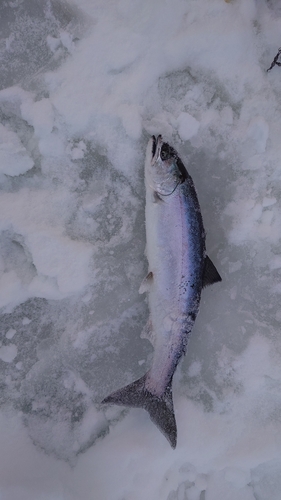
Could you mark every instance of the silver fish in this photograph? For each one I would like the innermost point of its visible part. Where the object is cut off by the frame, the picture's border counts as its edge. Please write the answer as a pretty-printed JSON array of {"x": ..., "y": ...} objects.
[{"x": 178, "y": 270}]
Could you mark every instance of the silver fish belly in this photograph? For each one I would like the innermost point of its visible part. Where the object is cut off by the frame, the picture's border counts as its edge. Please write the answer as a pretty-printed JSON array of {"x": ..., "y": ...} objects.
[
  {"x": 175, "y": 252},
  {"x": 178, "y": 270}
]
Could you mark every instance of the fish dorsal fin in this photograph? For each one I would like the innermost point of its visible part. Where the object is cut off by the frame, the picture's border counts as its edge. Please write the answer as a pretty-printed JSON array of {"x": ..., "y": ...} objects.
[
  {"x": 210, "y": 273},
  {"x": 145, "y": 284}
]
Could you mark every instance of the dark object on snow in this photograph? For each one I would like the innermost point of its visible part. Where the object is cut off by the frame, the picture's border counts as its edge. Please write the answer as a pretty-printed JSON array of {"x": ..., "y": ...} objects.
[
  {"x": 178, "y": 271},
  {"x": 275, "y": 61}
]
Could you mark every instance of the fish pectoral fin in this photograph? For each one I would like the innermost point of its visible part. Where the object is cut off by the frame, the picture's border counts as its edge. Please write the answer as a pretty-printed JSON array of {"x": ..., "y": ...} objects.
[
  {"x": 210, "y": 273},
  {"x": 145, "y": 284}
]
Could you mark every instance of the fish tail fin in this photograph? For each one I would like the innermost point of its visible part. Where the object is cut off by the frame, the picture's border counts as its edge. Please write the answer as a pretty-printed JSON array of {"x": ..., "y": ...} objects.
[{"x": 160, "y": 409}]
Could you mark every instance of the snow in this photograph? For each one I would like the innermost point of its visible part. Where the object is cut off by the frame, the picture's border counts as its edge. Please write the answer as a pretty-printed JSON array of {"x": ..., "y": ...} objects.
[
  {"x": 83, "y": 85},
  {"x": 187, "y": 126},
  {"x": 8, "y": 353},
  {"x": 14, "y": 158},
  {"x": 10, "y": 333},
  {"x": 26, "y": 321}
]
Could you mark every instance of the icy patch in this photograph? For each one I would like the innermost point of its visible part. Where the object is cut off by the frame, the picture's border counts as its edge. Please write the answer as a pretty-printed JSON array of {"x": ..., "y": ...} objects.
[
  {"x": 60, "y": 416},
  {"x": 8, "y": 353},
  {"x": 163, "y": 121},
  {"x": 46, "y": 262},
  {"x": 258, "y": 131},
  {"x": 14, "y": 158},
  {"x": 10, "y": 333},
  {"x": 230, "y": 484},
  {"x": 39, "y": 114},
  {"x": 194, "y": 369},
  {"x": 26, "y": 321},
  {"x": 235, "y": 266},
  {"x": 266, "y": 480},
  {"x": 56, "y": 256},
  {"x": 252, "y": 220},
  {"x": 10, "y": 289},
  {"x": 188, "y": 126}
]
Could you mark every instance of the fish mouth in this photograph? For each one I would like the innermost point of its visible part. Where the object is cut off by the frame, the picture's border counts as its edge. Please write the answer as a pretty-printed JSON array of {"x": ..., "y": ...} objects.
[{"x": 156, "y": 148}]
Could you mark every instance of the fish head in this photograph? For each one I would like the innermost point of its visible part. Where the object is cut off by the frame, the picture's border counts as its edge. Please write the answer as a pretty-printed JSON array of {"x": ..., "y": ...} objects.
[{"x": 163, "y": 168}]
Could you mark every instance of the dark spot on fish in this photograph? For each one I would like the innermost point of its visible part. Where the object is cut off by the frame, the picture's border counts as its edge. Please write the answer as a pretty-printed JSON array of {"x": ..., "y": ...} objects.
[{"x": 192, "y": 316}]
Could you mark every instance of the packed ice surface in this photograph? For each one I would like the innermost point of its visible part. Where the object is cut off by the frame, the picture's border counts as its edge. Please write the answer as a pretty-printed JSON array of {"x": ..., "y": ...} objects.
[{"x": 83, "y": 86}]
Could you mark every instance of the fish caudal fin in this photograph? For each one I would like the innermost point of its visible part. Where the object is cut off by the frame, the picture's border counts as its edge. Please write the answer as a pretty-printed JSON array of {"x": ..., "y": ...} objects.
[{"x": 160, "y": 409}]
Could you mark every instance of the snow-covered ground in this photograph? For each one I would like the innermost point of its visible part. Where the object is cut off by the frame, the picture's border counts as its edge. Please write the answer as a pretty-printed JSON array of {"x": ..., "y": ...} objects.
[{"x": 83, "y": 86}]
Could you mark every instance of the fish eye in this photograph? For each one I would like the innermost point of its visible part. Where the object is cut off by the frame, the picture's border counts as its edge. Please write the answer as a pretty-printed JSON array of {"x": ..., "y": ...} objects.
[{"x": 165, "y": 152}]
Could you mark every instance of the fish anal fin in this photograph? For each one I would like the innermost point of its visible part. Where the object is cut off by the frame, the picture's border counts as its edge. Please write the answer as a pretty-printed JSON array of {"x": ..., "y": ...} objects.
[
  {"x": 210, "y": 273},
  {"x": 160, "y": 409},
  {"x": 145, "y": 284}
]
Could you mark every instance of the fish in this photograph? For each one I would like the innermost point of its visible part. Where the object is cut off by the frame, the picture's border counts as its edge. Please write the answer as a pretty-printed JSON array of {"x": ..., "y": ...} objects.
[{"x": 179, "y": 269}]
